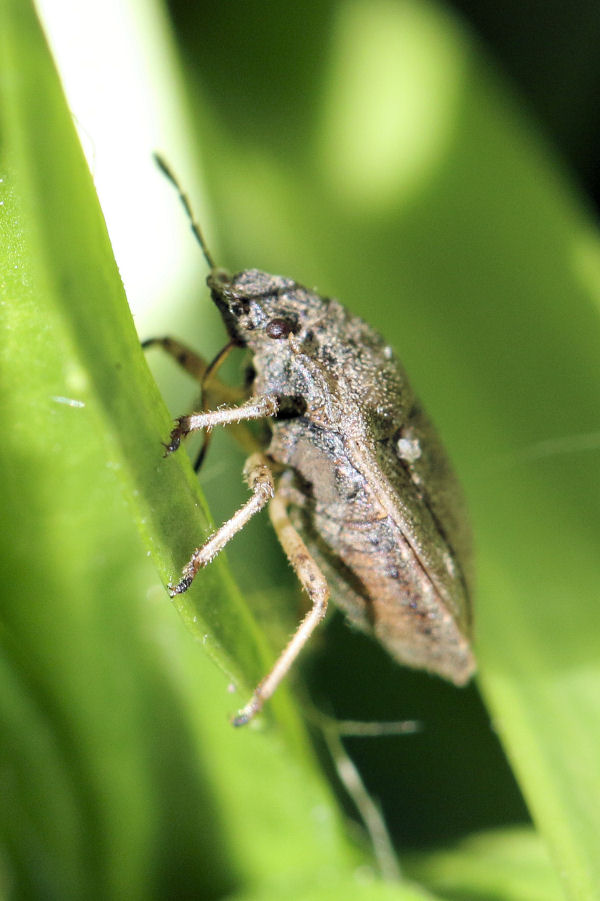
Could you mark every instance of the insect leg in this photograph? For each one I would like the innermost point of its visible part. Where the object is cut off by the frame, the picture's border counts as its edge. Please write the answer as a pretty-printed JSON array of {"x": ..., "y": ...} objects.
[
  {"x": 188, "y": 359},
  {"x": 288, "y": 493},
  {"x": 214, "y": 391},
  {"x": 257, "y": 474},
  {"x": 196, "y": 366},
  {"x": 254, "y": 408},
  {"x": 220, "y": 393},
  {"x": 314, "y": 583}
]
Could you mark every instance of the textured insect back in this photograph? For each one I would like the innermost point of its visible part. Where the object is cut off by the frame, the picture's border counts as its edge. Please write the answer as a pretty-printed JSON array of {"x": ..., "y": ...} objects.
[{"x": 360, "y": 490}]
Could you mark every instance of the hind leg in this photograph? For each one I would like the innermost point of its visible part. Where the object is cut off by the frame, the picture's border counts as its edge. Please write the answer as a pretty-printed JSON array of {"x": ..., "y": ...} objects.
[{"x": 315, "y": 585}]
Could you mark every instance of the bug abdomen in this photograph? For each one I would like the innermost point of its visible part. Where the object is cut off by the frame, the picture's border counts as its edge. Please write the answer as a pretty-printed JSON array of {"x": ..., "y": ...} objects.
[
  {"x": 382, "y": 587},
  {"x": 376, "y": 574}
]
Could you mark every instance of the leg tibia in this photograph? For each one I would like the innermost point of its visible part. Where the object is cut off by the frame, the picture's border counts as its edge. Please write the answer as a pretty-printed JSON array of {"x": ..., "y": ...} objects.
[
  {"x": 260, "y": 479},
  {"x": 315, "y": 584},
  {"x": 254, "y": 408}
]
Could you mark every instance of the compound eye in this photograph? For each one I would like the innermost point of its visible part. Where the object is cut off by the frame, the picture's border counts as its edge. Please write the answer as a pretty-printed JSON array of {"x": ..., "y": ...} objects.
[{"x": 279, "y": 328}]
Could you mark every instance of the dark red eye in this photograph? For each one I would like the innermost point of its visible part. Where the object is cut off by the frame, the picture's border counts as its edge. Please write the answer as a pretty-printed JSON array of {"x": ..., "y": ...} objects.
[{"x": 279, "y": 328}]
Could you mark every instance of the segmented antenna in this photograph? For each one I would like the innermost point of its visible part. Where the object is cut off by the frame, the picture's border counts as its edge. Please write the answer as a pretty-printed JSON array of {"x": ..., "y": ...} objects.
[{"x": 166, "y": 170}]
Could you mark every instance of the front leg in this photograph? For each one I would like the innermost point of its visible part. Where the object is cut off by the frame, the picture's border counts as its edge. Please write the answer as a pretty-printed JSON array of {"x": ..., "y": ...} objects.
[{"x": 254, "y": 408}]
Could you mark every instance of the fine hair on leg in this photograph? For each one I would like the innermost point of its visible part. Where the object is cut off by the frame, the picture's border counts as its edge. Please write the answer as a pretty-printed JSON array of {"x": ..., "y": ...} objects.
[
  {"x": 258, "y": 407},
  {"x": 314, "y": 583},
  {"x": 259, "y": 477}
]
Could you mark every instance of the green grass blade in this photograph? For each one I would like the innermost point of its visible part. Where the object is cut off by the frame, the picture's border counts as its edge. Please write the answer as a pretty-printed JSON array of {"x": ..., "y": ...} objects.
[{"x": 511, "y": 864}]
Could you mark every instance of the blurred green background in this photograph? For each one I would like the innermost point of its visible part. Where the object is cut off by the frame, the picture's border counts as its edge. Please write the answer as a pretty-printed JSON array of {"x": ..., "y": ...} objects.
[{"x": 433, "y": 166}]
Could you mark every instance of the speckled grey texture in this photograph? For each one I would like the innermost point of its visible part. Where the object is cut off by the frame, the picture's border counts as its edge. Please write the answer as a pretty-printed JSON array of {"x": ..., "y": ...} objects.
[{"x": 382, "y": 511}]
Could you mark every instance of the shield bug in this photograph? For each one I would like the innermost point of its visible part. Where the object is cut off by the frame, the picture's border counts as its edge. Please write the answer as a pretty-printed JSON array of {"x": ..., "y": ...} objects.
[{"x": 359, "y": 488}]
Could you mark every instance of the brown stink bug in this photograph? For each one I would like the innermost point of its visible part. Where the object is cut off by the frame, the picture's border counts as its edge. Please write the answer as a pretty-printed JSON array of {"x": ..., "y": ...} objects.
[{"x": 360, "y": 492}]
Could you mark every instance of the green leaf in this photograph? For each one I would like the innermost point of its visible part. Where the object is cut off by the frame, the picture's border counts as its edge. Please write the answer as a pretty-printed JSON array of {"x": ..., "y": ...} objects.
[
  {"x": 511, "y": 864},
  {"x": 353, "y": 890}
]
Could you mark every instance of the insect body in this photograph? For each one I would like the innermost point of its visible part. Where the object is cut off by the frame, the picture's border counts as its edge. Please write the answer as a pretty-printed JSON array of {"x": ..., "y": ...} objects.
[{"x": 360, "y": 491}]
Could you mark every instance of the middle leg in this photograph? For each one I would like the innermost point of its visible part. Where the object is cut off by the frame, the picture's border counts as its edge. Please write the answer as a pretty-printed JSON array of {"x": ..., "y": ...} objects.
[{"x": 259, "y": 477}]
